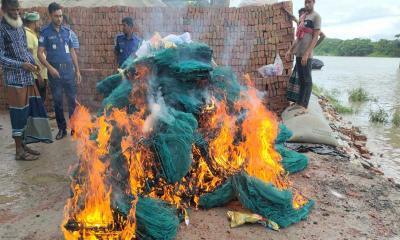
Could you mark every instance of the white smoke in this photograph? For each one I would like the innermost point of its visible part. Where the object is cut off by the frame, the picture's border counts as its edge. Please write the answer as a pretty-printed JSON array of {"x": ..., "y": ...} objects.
[{"x": 159, "y": 110}]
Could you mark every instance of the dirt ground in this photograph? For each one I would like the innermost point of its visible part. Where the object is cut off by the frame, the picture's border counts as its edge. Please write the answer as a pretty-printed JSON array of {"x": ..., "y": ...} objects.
[{"x": 351, "y": 203}]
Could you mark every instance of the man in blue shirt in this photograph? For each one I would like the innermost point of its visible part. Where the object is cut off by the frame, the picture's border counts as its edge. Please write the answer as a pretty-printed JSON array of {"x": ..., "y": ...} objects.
[
  {"x": 126, "y": 43},
  {"x": 74, "y": 38},
  {"x": 62, "y": 65}
]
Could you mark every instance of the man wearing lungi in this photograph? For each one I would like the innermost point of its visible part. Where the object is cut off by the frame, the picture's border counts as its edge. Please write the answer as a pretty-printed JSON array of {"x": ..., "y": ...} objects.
[
  {"x": 28, "y": 115},
  {"x": 308, "y": 32}
]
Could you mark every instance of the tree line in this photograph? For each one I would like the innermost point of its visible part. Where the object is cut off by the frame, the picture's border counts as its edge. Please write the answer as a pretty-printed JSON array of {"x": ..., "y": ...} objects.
[{"x": 359, "y": 47}]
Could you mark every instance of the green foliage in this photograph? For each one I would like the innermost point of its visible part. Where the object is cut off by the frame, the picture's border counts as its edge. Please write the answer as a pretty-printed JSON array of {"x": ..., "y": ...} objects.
[
  {"x": 359, "y": 47},
  {"x": 396, "y": 118},
  {"x": 317, "y": 90},
  {"x": 356, "y": 47},
  {"x": 359, "y": 95},
  {"x": 328, "y": 47},
  {"x": 333, "y": 99},
  {"x": 378, "y": 116}
]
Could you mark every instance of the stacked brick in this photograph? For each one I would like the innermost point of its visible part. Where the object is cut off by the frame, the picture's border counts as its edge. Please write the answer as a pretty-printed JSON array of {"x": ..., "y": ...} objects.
[{"x": 244, "y": 38}]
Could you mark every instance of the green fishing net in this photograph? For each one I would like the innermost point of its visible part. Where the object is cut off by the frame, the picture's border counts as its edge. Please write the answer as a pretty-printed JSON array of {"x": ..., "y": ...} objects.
[
  {"x": 108, "y": 84},
  {"x": 185, "y": 80},
  {"x": 173, "y": 144},
  {"x": 259, "y": 197},
  {"x": 225, "y": 84},
  {"x": 154, "y": 218},
  {"x": 292, "y": 161}
]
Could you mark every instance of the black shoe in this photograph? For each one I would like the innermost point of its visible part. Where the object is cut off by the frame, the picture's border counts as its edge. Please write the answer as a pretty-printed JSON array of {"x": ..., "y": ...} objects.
[{"x": 61, "y": 134}]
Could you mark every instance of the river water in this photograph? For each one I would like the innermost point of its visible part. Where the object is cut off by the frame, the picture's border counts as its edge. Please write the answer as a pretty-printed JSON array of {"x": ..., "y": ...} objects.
[{"x": 380, "y": 77}]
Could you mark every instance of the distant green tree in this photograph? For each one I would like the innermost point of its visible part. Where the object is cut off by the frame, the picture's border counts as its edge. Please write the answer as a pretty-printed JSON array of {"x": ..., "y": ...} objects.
[
  {"x": 359, "y": 47},
  {"x": 356, "y": 47},
  {"x": 328, "y": 47},
  {"x": 387, "y": 48}
]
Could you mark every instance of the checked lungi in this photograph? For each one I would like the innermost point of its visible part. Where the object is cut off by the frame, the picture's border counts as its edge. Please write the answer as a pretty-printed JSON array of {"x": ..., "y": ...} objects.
[{"x": 28, "y": 115}]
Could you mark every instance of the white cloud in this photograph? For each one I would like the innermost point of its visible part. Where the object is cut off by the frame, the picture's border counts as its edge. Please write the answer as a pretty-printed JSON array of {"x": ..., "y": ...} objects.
[
  {"x": 348, "y": 19},
  {"x": 375, "y": 29}
]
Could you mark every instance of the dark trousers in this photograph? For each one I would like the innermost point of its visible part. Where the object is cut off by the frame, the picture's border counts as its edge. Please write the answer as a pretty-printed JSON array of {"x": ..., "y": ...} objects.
[
  {"x": 59, "y": 86},
  {"x": 305, "y": 79},
  {"x": 42, "y": 89}
]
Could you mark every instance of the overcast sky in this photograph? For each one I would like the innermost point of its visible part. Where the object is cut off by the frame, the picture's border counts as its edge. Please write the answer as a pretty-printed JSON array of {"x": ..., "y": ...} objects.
[{"x": 346, "y": 19}]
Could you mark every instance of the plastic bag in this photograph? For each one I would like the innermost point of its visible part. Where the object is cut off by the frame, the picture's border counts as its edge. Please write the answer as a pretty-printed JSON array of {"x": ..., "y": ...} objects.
[
  {"x": 178, "y": 39},
  {"x": 239, "y": 218},
  {"x": 156, "y": 42},
  {"x": 275, "y": 69},
  {"x": 144, "y": 49}
]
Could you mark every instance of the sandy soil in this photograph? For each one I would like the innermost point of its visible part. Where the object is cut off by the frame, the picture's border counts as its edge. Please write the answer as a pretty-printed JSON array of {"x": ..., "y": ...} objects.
[{"x": 351, "y": 203}]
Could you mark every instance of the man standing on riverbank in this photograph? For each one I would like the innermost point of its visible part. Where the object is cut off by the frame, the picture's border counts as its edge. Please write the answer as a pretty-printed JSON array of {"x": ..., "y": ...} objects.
[
  {"x": 307, "y": 36},
  {"x": 303, "y": 11},
  {"x": 62, "y": 65}
]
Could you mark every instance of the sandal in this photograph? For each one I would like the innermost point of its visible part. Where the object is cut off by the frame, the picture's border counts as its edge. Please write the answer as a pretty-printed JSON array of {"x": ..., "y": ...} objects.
[
  {"x": 31, "y": 151},
  {"x": 25, "y": 157}
]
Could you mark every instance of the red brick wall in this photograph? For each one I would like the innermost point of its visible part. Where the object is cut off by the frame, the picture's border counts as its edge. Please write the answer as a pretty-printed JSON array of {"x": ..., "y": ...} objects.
[{"x": 244, "y": 38}]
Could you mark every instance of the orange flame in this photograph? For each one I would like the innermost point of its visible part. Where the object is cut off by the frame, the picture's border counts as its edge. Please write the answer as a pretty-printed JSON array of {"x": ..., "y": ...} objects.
[
  {"x": 239, "y": 137},
  {"x": 260, "y": 129},
  {"x": 97, "y": 212}
]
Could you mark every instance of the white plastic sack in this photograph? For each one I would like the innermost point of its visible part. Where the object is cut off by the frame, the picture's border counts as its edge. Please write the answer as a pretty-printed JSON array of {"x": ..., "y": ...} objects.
[
  {"x": 144, "y": 49},
  {"x": 178, "y": 39},
  {"x": 311, "y": 127},
  {"x": 186, "y": 37},
  {"x": 275, "y": 69}
]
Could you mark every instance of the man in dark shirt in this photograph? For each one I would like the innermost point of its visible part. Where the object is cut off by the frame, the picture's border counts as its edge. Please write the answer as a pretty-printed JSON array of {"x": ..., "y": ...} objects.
[
  {"x": 126, "y": 43},
  {"x": 62, "y": 65}
]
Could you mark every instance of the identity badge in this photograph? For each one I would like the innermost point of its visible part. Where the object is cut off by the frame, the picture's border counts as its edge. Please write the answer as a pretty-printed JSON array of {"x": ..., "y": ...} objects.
[
  {"x": 54, "y": 46},
  {"x": 66, "y": 48}
]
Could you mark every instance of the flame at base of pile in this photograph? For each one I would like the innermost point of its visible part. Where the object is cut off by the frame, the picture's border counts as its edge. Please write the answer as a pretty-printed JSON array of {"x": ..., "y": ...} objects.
[{"x": 174, "y": 133}]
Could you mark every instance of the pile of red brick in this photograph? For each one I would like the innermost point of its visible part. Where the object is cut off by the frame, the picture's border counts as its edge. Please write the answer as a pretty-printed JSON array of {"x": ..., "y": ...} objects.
[{"x": 244, "y": 38}]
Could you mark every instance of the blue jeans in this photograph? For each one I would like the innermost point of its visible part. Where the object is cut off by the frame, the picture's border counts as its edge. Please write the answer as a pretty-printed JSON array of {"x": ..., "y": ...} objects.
[{"x": 58, "y": 86}]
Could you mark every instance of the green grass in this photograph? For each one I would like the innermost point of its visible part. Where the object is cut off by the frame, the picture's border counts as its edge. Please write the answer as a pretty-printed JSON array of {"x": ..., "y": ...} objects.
[
  {"x": 317, "y": 90},
  {"x": 332, "y": 97},
  {"x": 378, "y": 116},
  {"x": 342, "y": 109},
  {"x": 396, "y": 118},
  {"x": 359, "y": 95}
]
